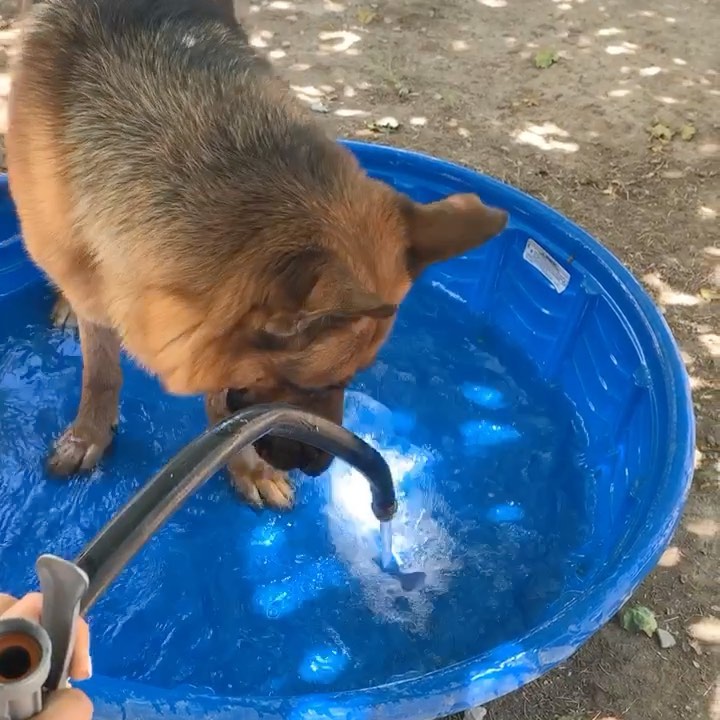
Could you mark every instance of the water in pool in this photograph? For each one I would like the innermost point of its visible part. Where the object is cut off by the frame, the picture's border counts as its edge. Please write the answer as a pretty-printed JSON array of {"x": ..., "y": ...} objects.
[{"x": 237, "y": 603}]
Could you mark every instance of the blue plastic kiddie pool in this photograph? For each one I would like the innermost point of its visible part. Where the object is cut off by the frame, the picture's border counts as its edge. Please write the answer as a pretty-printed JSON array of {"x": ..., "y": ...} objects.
[{"x": 535, "y": 412}]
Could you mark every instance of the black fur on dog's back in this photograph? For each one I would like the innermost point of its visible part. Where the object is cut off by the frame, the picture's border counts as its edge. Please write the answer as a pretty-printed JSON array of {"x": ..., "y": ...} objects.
[
  {"x": 146, "y": 12},
  {"x": 161, "y": 98}
]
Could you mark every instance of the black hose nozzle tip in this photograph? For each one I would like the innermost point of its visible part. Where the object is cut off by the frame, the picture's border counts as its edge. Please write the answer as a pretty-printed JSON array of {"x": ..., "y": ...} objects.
[{"x": 384, "y": 513}]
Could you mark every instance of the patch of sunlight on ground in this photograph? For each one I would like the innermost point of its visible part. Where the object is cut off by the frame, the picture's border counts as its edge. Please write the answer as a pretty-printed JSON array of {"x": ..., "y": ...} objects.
[
  {"x": 7, "y": 37},
  {"x": 541, "y": 137},
  {"x": 671, "y": 557},
  {"x": 338, "y": 40},
  {"x": 351, "y": 112},
  {"x": 706, "y": 630},
  {"x": 4, "y": 84},
  {"x": 625, "y": 48},
  {"x": 667, "y": 295},
  {"x": 309, "y": 91},
  {"x": 260, "y": 38},
  {"x": 711, "y": 341},
  {"x": 706, "y": 528},
  {"x": 714, "y": 706}
]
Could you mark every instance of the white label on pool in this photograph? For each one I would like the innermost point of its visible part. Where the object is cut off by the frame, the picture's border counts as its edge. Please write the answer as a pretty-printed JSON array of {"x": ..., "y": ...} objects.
[{"x": 551, "y": 269}]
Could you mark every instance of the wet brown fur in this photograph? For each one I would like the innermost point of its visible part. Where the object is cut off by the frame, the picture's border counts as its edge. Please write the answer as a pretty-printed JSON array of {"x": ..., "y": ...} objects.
[{"x": 185, "y": 205}]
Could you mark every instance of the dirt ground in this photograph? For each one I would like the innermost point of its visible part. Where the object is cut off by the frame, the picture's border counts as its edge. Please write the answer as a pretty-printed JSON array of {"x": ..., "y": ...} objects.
[{"x": 621, "y": 133}]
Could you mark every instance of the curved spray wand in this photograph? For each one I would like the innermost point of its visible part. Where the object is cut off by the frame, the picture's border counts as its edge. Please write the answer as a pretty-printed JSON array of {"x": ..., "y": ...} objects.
[{"x": 34, "y": 659}]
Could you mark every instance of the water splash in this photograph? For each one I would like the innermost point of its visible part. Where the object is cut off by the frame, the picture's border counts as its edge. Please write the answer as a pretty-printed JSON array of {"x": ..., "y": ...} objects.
[
  {"x": 409, "y": 581},
  {"x": 386, "y": 553},
  {"x": 402, "y": 567}
]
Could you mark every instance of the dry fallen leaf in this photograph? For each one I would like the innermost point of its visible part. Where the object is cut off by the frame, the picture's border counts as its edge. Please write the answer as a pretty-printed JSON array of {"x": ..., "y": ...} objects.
[
  {"x": 697, "y": 648},
  {"x": 545, "y": 58},
  {"x": 709, "y": 294},
  {"x": 661, "y": 132},
  {"x": 638, "y": 618},
  {"x": 366, "y": 15},
  {"x": 687, "y": 132}
]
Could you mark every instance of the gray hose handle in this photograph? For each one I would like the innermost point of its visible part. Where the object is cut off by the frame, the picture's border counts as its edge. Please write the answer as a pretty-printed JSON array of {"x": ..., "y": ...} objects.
[
  {"x": 24, "y": 667},
  {"x": 35, "y": 659},
  {"x": 63, "y": 585}
]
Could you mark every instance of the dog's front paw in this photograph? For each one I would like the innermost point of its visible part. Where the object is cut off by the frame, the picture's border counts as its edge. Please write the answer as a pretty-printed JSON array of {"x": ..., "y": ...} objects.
[
  {"x": 62, "y": 314},
  {"x": 76, "y": 450},
  {"x": 259, "y": 483}
]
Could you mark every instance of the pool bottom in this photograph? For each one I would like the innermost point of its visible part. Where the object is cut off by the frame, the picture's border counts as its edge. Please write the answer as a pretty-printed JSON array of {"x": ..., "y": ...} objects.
[{"x": 492, "y": 511}]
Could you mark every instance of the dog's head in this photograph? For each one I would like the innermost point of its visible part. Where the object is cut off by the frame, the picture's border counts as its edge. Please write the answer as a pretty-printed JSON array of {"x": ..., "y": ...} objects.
[
  {"x": 316, "y": 303},
  {"x": 334, "y": 307}
]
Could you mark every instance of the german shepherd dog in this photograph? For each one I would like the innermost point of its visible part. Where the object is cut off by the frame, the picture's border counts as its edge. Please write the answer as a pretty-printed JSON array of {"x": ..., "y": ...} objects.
[{"x": 191, "y": 212}]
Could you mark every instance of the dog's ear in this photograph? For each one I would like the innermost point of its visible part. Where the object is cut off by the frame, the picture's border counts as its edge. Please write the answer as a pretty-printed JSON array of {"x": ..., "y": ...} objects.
[
  {"x": 447, "y": 228},
  {"x": 327, "y": 296},
  {"x": 350, "y": 305}
]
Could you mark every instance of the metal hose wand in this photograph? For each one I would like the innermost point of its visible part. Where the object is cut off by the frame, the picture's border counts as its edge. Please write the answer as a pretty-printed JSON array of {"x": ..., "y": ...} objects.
[{"x": 34, "y": 659}]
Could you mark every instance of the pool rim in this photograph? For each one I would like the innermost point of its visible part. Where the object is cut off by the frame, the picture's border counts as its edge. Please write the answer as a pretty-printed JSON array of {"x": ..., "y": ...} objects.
[{"x": 516, "y": 666}]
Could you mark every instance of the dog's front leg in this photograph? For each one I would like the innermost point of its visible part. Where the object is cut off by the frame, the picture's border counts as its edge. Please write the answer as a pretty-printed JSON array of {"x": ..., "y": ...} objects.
[
  {"x": 62, "y": 314},
  {"x": 82, "y": 445},
  {"x": 257, "y": 481}
]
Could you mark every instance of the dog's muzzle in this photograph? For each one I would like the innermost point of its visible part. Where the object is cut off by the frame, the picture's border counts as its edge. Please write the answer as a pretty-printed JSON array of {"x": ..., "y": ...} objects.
[{"x": 282, "y": 454}]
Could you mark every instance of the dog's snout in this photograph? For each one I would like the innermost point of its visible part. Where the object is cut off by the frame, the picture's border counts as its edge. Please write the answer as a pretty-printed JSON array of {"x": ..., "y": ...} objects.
[
  {"x": 284, "y": 454},
  {"x": 236, "y": 399},
  {"x": 289, "y": 455}
]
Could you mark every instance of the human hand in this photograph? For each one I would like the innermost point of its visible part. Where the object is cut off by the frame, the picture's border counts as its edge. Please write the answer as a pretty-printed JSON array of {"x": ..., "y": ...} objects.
[{"x": 65, "y": 704}]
